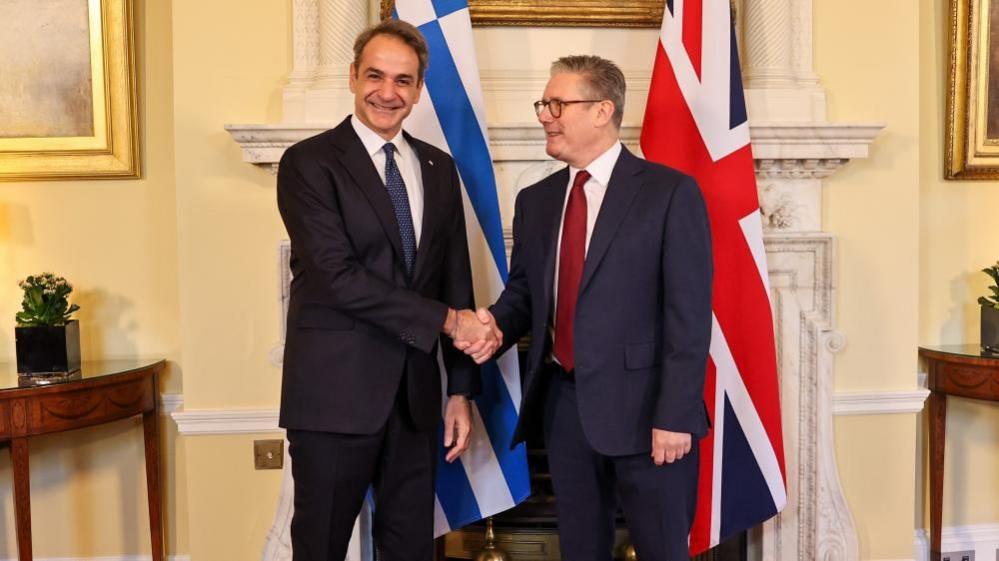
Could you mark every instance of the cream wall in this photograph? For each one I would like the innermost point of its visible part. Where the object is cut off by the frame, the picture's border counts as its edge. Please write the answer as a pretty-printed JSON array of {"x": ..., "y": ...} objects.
[
  {"x": 116, "y": 242},
  {"x": 230, "y": 60},
  {"x": 959, "y": 235},
  {"x": 870, "y": 68}
]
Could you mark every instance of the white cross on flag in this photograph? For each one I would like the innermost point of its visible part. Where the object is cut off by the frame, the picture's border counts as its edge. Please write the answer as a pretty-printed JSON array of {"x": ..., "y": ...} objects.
[{"x": 695, "y": 121}]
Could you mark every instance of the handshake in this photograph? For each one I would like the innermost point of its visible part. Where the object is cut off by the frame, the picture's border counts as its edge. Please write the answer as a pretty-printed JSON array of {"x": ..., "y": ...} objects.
[{"x": 474, "y": 333}]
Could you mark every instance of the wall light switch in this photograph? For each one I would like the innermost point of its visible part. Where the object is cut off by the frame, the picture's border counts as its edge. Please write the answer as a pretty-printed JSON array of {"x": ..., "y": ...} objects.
[{"x": 268, "y": 454}]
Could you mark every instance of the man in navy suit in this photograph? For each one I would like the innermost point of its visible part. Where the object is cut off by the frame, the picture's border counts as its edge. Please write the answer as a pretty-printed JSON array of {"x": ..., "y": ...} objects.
[
  {"x": 611, "y": 273},
  {"x": 380, "y": 265}
]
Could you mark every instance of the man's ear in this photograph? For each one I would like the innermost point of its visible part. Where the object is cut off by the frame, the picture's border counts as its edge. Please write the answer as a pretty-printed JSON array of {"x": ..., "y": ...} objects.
[{"x": 605, "y": 112}]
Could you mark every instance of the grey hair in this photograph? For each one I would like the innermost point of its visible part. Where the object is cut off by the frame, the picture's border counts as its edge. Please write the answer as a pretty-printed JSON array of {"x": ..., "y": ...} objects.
[{"x": 603, "y": 79}]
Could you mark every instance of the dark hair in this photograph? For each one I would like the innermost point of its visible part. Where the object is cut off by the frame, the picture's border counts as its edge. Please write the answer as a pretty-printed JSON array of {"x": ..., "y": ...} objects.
[
  {"x": 401, "y": 30},
  {"x": 602, "y": 78}
]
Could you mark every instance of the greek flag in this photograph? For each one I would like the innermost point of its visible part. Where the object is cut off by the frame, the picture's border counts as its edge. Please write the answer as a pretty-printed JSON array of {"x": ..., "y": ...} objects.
[{"x": 490, "y": 477}]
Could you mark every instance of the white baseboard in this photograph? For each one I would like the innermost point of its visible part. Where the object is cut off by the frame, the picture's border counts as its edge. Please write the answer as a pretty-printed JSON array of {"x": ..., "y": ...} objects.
[
  {"x": 107, "y": 558},
  {"x": 983, "y": 539},
  {"x": 921, "y": 548}
]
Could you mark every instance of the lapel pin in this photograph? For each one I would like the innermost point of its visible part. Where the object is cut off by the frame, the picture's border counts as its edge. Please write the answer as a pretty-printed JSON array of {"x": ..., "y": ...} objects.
[{"x": 431, "y": 162}]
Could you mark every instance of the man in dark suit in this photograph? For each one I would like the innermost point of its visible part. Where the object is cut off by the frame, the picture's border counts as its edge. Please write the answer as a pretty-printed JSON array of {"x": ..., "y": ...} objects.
[
  {"x": 611, "y": 273},
  {"x": 380, "y": 265}
]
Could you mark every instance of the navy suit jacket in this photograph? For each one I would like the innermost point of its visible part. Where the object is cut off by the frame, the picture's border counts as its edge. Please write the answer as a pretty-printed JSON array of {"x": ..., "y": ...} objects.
[
  {"x": 355, "y": 324},
  {"x": 643, "y": 317}
]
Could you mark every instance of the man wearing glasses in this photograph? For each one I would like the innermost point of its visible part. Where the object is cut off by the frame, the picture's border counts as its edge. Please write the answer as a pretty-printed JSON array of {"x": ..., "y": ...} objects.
[{"x": 611, "y": 272}]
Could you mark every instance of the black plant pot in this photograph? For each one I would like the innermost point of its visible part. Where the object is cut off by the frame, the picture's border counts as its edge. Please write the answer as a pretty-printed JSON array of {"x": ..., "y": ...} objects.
[
  {"x": 990, "y": 329},
  {"x": 48, "y": 349}
]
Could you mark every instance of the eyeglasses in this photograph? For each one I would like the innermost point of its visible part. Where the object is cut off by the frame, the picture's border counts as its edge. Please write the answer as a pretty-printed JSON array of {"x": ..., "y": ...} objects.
[{"x": 555, "y": 106}]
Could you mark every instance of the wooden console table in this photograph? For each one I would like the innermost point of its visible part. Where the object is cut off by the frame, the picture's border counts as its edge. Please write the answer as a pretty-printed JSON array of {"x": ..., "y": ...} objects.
[
  {"x": 100, "y": 393},
  {"x": 962, "y": 371}
]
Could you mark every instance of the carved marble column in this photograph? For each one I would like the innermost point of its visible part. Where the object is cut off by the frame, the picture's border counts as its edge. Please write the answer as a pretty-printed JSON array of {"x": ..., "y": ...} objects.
[
  {"x": 767, "y": 50},
  {"x": 305, "y": 46},
  {"x": 777, "y": 62},
  {"x": 339, "y": 23},
  {"x": 324, "y": 31}
]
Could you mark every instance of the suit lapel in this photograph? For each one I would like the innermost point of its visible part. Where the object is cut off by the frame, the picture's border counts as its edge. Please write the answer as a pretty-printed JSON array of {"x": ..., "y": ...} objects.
[
  {"x": 552, "y": 219},
  {"x": 358, "y": 164},
  {"x": 617, "y": 200},
  {"x": 434, "y": 185}
]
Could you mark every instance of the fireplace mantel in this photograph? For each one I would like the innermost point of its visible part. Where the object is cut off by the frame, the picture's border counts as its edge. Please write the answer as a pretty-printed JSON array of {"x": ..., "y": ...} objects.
[{"x": 787, "y": 150}]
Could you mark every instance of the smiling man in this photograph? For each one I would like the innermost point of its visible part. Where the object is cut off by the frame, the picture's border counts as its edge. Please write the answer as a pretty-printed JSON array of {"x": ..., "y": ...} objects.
[
  {"x": 380, "y": 264},
  {"x": 611, "y": 273}
]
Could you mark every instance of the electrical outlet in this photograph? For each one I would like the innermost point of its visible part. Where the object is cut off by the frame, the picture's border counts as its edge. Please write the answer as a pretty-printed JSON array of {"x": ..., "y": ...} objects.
[
  {"x": 269, "y": 454},
  {"x": 958, "y": 556}
]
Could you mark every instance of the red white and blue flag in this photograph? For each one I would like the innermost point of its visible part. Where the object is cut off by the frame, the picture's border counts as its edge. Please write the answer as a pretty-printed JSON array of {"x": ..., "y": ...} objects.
[{"x": 695, "y": 121}]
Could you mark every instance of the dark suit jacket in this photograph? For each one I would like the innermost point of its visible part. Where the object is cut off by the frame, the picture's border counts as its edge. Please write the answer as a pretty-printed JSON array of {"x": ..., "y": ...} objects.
[
  {"x": 643, "y": 318},
  {"x": 354, "y": 323}
]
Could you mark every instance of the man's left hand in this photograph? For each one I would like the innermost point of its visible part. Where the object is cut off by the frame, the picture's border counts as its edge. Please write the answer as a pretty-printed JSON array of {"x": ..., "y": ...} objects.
[
  {"x": 669, "y": 446},
  {"x": 457, "y": 426}
]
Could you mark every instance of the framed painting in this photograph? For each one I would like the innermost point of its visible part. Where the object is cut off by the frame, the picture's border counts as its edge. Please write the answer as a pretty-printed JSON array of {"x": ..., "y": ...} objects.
[
  {"x": 571, "y": 13},
  {"x": 68, "y": 107},
  {"x": 972, "y": 142}
]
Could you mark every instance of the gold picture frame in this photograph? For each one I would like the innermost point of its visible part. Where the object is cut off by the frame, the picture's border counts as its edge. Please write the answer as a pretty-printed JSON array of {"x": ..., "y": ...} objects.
[
  {"x": 563, "y": 13},
  {"x": 75, "y": 112},
  {"x": 972, "y": 141}
]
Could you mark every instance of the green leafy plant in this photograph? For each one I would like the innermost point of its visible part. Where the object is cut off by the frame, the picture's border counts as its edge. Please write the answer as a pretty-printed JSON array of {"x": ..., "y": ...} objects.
[
  {"x": 993, "y": 300},
  {"x": 45, "y": 301}
]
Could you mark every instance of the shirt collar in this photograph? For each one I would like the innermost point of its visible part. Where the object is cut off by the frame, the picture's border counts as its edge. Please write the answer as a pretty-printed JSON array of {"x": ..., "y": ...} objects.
[
  {"x": 601, "y": 168},
  {"x": 372, "y": 142}
]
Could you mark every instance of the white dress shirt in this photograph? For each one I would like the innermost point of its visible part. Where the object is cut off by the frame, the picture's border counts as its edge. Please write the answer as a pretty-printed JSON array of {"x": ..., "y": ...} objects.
[
  {"x": 405, "y": 158},
  {"x": 595, "y": 188}
]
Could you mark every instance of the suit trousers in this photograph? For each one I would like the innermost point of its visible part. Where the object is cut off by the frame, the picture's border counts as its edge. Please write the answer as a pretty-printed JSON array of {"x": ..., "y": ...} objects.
[
  {"x": 658, "y": 501},
  {"x": 333, "y": 473}
]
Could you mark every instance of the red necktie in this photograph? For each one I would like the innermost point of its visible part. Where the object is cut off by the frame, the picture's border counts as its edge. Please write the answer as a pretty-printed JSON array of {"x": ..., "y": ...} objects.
[{"x": 570, "y": 271}]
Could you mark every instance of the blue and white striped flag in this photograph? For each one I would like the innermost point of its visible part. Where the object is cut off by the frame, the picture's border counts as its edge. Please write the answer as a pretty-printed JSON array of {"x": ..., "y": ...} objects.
[{"x": 490, "y": 477}]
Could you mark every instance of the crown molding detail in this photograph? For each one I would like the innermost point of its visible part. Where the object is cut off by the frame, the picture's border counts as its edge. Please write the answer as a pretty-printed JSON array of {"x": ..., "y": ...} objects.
[
  {"x": 216, "y": 421},
  {"x": 879, "y": 403}
]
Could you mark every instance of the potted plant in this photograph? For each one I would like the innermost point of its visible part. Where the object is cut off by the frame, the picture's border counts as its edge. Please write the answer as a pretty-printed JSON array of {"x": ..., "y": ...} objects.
[
  {"x": 990, "y": 312},
  {"x": 47, "y": 340}
]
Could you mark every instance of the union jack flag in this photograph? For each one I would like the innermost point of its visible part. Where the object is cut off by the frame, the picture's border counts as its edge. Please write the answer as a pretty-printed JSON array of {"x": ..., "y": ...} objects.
[{"x": 695, "y": 121}]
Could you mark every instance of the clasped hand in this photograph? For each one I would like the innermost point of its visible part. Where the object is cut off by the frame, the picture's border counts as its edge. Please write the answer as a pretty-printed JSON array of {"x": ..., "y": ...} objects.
[{"x": 476, "y": 334}]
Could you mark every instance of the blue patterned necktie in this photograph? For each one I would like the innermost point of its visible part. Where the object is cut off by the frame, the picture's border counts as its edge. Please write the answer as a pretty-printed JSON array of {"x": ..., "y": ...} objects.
[{"x": 400, "y": 201}]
